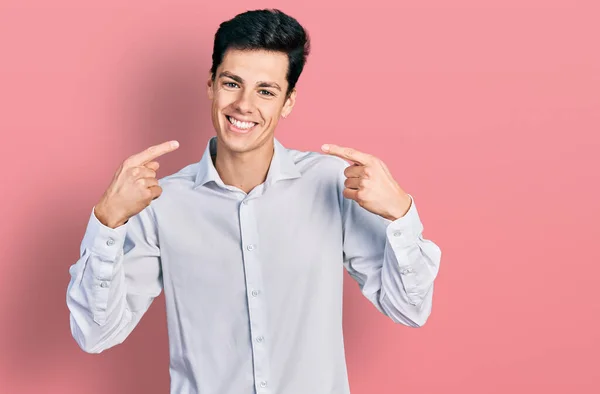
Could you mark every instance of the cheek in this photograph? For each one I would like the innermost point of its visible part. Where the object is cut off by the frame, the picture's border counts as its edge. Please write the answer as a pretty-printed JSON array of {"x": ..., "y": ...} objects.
[
  {"x": 218, "y": 104},
  {"x": 223, "y": 99},
  {"x": 271, "y": 110},
  {"x": 215, "y": 108}
]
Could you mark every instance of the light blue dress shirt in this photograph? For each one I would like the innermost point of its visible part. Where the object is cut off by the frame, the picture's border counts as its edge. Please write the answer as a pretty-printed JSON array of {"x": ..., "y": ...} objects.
[{"x": 252, "y": 282}]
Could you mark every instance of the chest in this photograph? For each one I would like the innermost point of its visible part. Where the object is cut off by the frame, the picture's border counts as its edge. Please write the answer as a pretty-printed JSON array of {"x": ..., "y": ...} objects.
[{"x": 215, "y": 242}]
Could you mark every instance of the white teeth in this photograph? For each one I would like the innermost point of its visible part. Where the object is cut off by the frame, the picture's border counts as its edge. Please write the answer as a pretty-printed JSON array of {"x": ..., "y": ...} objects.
[{"x": 241, "y": 125}]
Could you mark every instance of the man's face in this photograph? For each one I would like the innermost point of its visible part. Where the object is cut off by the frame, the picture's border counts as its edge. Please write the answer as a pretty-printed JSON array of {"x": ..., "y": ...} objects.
[{"x": 248, "y": 97}]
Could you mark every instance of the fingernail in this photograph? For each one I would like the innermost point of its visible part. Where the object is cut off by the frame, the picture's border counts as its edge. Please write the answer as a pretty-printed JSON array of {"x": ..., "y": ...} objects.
[
  {"x": 325, "y": 147},
  {"x": 174, "y": 144}
]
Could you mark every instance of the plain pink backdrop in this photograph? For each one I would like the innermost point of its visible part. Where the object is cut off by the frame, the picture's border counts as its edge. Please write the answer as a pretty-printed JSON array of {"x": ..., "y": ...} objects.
[{"x": 488, "y": 112}]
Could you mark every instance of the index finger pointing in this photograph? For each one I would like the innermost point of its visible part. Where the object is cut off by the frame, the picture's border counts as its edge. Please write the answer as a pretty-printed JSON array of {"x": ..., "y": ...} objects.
[
  {"x": 347, "y": 153},
  {"x": 153, "y": 152}
]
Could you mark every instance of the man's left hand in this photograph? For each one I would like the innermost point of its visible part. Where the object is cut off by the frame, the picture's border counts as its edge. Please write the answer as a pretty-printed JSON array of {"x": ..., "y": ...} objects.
[{"x": 370, "y": 184}]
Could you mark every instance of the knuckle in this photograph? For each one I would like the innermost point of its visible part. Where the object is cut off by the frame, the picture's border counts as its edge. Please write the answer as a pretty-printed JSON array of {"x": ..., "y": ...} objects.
[
  {"x": 156, "y": 192},
  {"x": 361, "y": 195},
  {"x": 349, "y": 152}
]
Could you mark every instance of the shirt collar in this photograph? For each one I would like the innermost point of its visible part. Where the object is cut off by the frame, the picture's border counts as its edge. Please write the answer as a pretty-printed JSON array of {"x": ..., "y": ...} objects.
[{"x": 282, "y": 166}]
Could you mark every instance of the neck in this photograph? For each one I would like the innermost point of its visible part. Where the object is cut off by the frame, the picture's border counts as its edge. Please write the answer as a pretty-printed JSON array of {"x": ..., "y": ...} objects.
[{"x": 244, "y": 170}]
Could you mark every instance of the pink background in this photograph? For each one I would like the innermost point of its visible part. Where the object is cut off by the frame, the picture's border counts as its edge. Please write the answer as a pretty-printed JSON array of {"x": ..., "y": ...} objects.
[{"x": 488, "y": 112}]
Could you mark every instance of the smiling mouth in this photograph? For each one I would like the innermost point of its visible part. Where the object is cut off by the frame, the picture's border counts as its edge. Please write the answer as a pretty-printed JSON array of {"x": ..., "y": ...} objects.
[{"x": 240, "y": 125}]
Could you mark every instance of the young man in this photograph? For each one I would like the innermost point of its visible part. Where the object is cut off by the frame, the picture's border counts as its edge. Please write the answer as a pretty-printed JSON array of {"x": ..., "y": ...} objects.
[{"x": 250, "y": 243}]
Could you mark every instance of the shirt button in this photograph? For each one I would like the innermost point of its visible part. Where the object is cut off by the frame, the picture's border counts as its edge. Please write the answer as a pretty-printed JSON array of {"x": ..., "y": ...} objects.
[
  {"x": 250, "y": 247},
  {"x": 110, "y": 242},
  {"x": 260, "y": 339},
  {"x": 263, "y": 384},
  {"x": 254, "y": 293},
  {"x": 397, "y": 233},
  {"x": 103, "y": 284}
]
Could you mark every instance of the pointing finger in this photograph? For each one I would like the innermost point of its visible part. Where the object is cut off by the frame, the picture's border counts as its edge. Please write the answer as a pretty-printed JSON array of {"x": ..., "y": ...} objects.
[
  {"x": 147, "y": 155},
  {"x": 347, "y": 153}
]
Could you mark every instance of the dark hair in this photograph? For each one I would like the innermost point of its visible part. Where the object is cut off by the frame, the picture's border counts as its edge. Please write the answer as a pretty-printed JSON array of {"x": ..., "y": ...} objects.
[{"x": 268, "y": 29}]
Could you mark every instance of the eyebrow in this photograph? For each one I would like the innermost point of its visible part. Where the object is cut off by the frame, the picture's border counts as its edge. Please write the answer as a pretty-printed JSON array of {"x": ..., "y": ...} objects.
[{"x": 260, "y": 84}]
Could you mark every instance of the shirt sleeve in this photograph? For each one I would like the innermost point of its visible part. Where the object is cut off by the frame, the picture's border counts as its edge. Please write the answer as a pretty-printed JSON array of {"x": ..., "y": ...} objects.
[
  {"x": 394, "y": 265},
  {"x": 114, "y": 281}
]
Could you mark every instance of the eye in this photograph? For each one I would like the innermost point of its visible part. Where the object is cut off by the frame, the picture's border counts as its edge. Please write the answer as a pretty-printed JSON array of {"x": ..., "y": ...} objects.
[
  {"x": 230, "y": 84},
  {"x": 266, "y": 93}
]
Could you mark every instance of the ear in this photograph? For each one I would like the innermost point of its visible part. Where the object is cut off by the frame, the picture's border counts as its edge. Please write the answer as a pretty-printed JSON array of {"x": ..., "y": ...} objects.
[
  {"x": 289, "y": 103},
  {"x": 209, "y": 87}
]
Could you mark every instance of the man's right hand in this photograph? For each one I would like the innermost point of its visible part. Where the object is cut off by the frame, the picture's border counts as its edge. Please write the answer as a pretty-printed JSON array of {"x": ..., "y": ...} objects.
[{"x": 133, "y": 187}]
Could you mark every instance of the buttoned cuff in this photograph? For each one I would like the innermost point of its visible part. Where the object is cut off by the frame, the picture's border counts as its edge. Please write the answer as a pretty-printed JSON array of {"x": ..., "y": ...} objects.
[
  {"x": 102, "y": 240},
  {"x": 405, "y": 229}
]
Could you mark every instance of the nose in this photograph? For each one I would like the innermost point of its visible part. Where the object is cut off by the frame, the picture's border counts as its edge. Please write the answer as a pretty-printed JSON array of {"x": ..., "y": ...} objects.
[{"x": 244, "y": 103}]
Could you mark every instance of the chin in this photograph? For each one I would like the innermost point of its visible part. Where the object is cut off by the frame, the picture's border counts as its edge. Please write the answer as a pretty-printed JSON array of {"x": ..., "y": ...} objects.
[
  {"x": 236, "y": 146},
  {"x": 234, "y": 143}
]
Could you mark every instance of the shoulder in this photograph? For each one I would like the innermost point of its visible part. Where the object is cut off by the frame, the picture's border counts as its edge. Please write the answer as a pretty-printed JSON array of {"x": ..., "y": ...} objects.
[
  {"x": 183, "y": 178},
  {"x": 318, "y": 165}
]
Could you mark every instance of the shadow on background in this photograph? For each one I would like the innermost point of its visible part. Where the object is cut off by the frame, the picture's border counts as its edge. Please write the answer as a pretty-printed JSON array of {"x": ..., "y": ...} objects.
[{"x": 164, "y": 98}]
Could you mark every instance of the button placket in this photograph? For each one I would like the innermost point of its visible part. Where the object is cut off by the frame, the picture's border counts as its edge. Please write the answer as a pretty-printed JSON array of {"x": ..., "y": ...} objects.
[{"x": 253, "y": 275}]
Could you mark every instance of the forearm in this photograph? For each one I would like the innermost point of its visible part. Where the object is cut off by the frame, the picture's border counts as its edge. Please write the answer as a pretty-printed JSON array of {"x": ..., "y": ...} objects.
[
  {"x": 96, "y": 298},
  {"x": 394, "y": 265},
  {"x": 407, "y": 280},
  {"x": 105, "y": 302},
  {"x": 96, "y": 295}
]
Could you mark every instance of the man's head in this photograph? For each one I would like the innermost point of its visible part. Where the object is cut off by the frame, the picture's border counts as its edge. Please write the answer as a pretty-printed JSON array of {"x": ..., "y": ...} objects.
[{"x": 258, "y": 57}]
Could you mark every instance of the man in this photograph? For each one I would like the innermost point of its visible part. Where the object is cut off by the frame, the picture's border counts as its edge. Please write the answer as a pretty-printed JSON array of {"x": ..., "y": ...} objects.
[{"x": 250, "y": 243}]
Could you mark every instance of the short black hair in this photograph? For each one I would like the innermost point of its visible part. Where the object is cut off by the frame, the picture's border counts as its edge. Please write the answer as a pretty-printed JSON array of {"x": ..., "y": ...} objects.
[{"x": 266, "y": 29}]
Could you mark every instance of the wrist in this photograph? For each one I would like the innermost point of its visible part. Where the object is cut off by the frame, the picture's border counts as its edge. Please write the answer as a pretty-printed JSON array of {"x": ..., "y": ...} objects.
[
  {"x": 400, "y": 208},
  {"x": 108, "y": 216}
]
